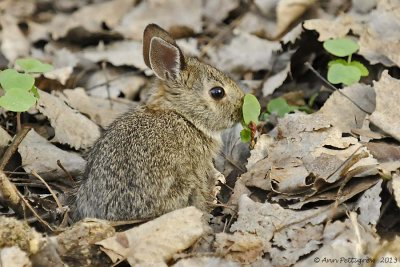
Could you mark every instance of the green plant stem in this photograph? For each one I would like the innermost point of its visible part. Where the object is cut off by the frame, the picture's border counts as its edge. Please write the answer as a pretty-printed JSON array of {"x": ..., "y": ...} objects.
[
  {"x": 349, "y": 59},
  {"x": 18, "y": 122},
  {"x": 333, "y": 88}
]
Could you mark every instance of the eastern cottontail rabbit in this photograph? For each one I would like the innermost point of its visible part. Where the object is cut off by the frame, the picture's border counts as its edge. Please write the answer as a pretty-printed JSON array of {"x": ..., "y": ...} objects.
[{"x": 158, "y": 157}]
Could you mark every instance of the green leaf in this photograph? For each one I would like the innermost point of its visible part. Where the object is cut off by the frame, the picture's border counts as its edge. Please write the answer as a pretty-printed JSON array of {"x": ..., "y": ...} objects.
[
  {"x": 17, "y": 100},
  {"x": 360, "y": 66},
  {"x": 251, "y": 109},
  {"x": 339, "y": 73},
  {"x": 245, "y": 135},
  {"x": 10, "y": 78},
  {"x": 336, "y": 61},
  {"x": 341, "y": 47},
  {"x": 312, "y": 99},
  {"x": 35, "y": 92},
  {"x": 264, "y": 116},
  {"x": 280, "y": 107},
  {"x": 33, "y": 65}
]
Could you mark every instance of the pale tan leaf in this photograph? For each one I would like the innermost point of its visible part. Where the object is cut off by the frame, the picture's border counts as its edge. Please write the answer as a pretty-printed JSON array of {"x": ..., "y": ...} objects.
[
  {"x": 386, "y": 114},
  {"x": 289, "y": 11},
  {"x": 155, "y": 242},
  {"x": 101, "y": 111},
  {"x": 239, "y": 247},
  {"x": 167, "y": 14},
  {"x": 38, "y": 154},
  {"x": 258, "y": 56},
  {"x": 83, "y": 133}
]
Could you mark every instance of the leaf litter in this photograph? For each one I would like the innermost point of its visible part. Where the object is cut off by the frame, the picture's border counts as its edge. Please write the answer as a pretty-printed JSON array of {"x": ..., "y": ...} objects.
[{"x": 318, "y": 184}]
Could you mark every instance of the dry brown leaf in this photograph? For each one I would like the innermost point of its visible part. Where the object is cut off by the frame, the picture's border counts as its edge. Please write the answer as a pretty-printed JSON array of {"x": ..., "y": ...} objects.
[
  {"x": 205, "y": 261},
  {"x": 92, "y": 18},
  {"x": 37, "y": 31},
  {"x": 297, "y": 241},
  {"x": 255, "y": 23},
  {"x": 275, "y": 81},
  {"x": 13, "y": 42},
  {"x": 38, "y": 154},
  {"x": 5, "y": 138},
  {"x": 77, "y": 243},
  {"x": 239, "y": 247},
  {"x": 396, "y": 188},
  {"x": 369, "y": 205},
  {"x": 296, "y": 233},
  {"x": 330, "y": 29},
  {"x": 156, "y": 242},
  {"x": 70, "y": 126},
  {"x": 345, "y": 244},
  {"x": 216, "y": 11},
  {"x": 118, "y": 81},
  {"x": 18, "y": 9},
  {"x": 119, "y": 53},
  {"x": 363, "y": 6},
  {"x": 342, "y": 113},
  {"x": 352, "y": 188},
  {"x": 288, "y": 11},
  {"x": 101, "y": 111},
  {"x": 167, "y": 14},
  {"x": 379, "y": 39},
  {"x": 231, "y": 58},
  {"x": 386, "y": 114},
  {"x": 388, "y": 156}
]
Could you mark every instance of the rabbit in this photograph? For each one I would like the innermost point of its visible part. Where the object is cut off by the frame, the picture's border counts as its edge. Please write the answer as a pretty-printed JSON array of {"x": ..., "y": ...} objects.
[{"x": 159, "y": 157}]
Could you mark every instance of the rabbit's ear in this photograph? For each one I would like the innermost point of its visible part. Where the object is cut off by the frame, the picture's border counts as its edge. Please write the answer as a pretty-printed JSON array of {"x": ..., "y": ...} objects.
[
  {"x": 165, "y": 59},
  {"x": 160, "y": 52}
]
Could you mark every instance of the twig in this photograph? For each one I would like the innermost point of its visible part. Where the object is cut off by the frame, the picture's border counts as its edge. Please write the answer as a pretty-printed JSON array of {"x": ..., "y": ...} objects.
[
  {"x": 119, "y": 223},
  {"x": 10, "y": 195},
  {"x": 13, "y": 147},
  {"x": 65, "y": 171},
  {"x": 18, "y": 121},
  {"x": 333, "y": 88},
  {"x": 34, "y": 173},
  {"x": 34, "y": 212}
]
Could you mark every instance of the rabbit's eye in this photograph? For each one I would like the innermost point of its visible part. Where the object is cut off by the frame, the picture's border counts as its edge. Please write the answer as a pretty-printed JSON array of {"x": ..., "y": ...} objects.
[{"x": 217, "y": 93}]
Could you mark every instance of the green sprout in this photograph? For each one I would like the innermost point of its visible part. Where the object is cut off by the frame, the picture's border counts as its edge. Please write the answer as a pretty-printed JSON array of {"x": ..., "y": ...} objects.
[
  {"x": 251, "y": 111},
  {"x": 20, "y": 92},
  {"x": 340, "y": 70}
]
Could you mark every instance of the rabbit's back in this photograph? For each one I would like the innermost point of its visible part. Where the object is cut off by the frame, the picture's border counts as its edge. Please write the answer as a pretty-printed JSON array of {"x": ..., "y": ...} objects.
[{"x": 147, "y": 163}]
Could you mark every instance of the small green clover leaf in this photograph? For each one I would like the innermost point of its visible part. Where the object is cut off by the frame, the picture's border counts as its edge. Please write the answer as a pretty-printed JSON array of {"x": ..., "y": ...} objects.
[
  {"x": 364, "y": 71},
  {"x": 10, "y": 78},
  {"x": 245, "y": 135},
  {"x": 17, "y": 100},
  {"x": 280, "y": 107},
  {"x": 32, "y": 65},
  {"x": 346, "y": 74},
  {"x": 341, "y": 47},
  {"x": 251, "y": 109}
]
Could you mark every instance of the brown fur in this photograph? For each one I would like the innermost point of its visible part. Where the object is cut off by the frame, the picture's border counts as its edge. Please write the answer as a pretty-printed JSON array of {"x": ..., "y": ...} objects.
[{"x": 158, "y": 157}]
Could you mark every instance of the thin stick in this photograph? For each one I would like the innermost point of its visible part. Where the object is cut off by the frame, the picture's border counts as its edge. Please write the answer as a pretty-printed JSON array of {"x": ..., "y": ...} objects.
[
  {"x": 333, "y": 88},
  {"x": 34, "y": 173},
  {"x": 13, "y": 147},
  {"x": 18, "y": 121},
  {"x": 119, "y": 223},
  {"x": 65, "y": 171},
  {"x": 9, "y": 194},
  {"x": 34, "y": 212}
]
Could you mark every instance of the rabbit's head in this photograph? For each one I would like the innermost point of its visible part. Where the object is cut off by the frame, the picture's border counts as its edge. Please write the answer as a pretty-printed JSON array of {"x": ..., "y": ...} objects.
[{"x": 199, "y": 92}]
